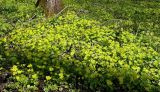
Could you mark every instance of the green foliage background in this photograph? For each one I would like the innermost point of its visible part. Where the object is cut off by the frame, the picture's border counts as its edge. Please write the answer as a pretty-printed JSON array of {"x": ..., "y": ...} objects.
[{"x": 94, "y": 45}]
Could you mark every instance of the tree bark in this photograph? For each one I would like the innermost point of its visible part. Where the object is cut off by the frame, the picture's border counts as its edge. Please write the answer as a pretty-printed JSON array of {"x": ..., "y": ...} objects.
[{"x": 50, "y": 7}]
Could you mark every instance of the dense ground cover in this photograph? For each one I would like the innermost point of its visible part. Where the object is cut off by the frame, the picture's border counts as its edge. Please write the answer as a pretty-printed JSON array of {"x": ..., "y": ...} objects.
[{"x": 100, "y": 45}]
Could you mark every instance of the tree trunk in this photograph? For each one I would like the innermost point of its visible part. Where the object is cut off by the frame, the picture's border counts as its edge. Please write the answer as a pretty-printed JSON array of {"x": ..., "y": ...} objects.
[{"x": 50, "y": 7}]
